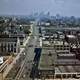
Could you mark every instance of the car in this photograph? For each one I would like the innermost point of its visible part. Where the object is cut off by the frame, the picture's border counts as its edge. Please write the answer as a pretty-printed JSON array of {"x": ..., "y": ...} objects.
[{"x": 30, "y": 46}]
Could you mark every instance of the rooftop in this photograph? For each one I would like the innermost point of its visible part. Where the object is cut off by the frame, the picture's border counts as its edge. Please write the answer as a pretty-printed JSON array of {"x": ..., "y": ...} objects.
[
  {"x": 60, "y": 43},
  {"x": 71, "y": 36},
  {"x": 46, "y": 60},
  {"x": 67, "y": 69}
]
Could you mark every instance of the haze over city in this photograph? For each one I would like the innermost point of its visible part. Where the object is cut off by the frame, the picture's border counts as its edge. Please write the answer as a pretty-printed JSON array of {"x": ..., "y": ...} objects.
[
  {"x": 39, "y": 40},
  {"x": 25, "y": 7}
]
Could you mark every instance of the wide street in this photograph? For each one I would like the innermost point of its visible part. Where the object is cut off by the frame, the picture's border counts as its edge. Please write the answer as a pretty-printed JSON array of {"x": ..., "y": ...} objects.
[{"x": 24, "y": 74}]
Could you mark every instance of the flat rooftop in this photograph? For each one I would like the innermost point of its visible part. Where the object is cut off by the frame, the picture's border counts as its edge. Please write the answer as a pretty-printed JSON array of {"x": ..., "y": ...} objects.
[
  {"x": 67, "y": 62},
  {"x": 71, "y": 36},
  {"x": 67, "y": 69},
  {"x": 55, "y": 42},
  {"x": 47, "y": 60},
  {"x": 45, "y": 63}
]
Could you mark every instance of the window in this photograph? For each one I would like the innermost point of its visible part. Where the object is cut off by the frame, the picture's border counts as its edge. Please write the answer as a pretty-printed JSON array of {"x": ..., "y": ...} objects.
[
  {"x": 12, "y": 47},
  {"x": 8, "y": 47},
  {"x": 2, "y": 47},
  {"x": 15, "y": 44},
  {"x": 15, "y": 50},
  {"x": 21, "y": 43}
]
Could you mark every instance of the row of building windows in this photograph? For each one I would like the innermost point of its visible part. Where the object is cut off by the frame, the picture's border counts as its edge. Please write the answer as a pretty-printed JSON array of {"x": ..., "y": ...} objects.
[
  {"x": 8, "y": 47},
  {"x": 62, "y": 48},
  {"x": 7, "y": 44}
]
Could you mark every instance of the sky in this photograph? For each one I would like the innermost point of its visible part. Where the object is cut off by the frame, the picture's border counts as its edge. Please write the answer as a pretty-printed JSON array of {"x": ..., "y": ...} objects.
[{"x": 25, "y": 7}]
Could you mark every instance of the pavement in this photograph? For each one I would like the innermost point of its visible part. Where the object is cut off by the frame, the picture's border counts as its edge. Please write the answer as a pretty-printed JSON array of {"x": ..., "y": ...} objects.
[{"x": 29, "y": 51}]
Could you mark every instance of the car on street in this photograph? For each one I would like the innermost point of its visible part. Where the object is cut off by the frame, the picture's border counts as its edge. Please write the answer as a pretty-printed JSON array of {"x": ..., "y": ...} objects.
[{"x": 30, "y": 45}]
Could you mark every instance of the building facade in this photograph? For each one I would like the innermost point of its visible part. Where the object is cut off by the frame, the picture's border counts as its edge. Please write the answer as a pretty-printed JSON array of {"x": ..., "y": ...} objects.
[{"x": 9, "y": 45}]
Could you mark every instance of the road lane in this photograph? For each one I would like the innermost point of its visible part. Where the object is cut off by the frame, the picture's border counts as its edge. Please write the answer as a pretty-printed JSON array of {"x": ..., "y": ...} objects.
[{"x": 30, "y": 54}]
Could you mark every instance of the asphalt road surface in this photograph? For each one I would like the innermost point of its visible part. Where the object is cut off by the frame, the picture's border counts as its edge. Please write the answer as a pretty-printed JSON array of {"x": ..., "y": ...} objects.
[{"x": 29, "y": 51}]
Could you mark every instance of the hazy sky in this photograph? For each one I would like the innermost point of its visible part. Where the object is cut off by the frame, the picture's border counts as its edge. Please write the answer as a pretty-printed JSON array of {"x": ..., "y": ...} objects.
[{"x": 23, "y": 7}]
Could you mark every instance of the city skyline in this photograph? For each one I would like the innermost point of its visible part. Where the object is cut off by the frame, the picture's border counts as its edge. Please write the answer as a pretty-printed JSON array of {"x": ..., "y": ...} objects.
[{"x": 25, "y": 7}]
